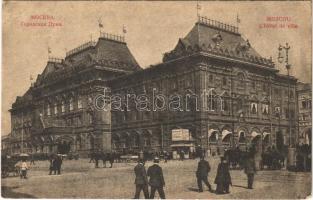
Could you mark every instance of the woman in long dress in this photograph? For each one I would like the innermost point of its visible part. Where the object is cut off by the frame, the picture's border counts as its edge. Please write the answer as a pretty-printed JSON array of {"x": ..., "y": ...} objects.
[{"x": 222, "y": 179}]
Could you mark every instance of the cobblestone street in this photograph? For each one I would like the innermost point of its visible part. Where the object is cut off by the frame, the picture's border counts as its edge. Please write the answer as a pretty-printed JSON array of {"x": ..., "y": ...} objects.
[{"x": 79, "y": 179}]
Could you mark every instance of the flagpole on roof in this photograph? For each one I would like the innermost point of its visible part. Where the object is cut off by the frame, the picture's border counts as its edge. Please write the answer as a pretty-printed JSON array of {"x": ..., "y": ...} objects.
[
  {"x": 198, "y": 20},
  {"x": 238, "y": 20},
  {"x": 124, "y": 31},
  {"x": 100, "y": 25},
  {"x": 49, "y": 52}
]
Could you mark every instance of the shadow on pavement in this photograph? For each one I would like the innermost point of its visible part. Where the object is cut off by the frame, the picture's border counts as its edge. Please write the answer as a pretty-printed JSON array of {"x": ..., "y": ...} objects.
[
  {"x": 240, "y": 186},
  {"x": 193, "y": 189},
  {"x": 7, "y": 192}
]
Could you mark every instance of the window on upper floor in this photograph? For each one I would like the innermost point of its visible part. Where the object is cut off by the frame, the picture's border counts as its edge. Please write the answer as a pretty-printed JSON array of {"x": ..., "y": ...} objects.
[
  {"x": 212, "y": 102},
  {"x": 309, "y": 103},
  {"x": 254, "y": 108},
  {"x": 62, "y": 106},
  {"x": 253, "y": 84},
  {"x": 55, "y": 108},
  {"x": 265, "y": 109},
  {"x": 211, "y": 78},
  {"x": 224, "y": 104},
  {"x": 48, "y": 111},
  {"x": 264, "y": 87},
  {"x": 79, "y": 103},
  {"x": 71, "y": 104},
  {"x": 224, "y": 81},
  {"x": 303, "y": 102},
  {"x": 241, "y": 80},
  {"x": 291, "y": 94}
]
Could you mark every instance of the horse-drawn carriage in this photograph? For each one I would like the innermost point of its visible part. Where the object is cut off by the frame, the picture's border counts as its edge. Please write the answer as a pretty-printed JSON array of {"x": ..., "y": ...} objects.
[{"x": 9, "y": 166}]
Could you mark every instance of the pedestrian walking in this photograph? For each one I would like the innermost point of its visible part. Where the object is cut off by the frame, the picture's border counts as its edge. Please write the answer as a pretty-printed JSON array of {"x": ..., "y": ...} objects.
[
  {"x": 156, "y": 180},
  {"x": 182, "y": 155},
  {"x": 141, "y": 180},
  {"x": 166, "y": 155},
  {"x": 250, "y": 170},
  {"x": 32, "y": 160},
  {"x": 57, "y": 164},
  {"x": 222, "y": 179},
  {"x": 97, "y": 158},
  {"x": 202, "y": 174},
  {"x": 24, "y": 168},
  {"x": 51, "y": 167}
]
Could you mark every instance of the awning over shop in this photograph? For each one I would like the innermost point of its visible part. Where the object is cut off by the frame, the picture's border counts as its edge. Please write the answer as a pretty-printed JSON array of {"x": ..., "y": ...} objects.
[
  {"x": 182, "y": 145},
  {"x": 254, "y": 134},
  {"x": 225, "y": 133},
  {"x": 265, "y": 134}
]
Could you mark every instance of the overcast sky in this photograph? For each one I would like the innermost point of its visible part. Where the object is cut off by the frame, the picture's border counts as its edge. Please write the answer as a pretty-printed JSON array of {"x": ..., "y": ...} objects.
[{"x": 153, "y": 28}]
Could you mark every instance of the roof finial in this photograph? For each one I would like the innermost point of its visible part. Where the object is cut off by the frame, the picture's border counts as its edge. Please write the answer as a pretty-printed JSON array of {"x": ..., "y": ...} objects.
[
  {"x": 198, "y": 9},
  {"x": 124, "y": 30},
  {"x": 100, "y": 24},
  {"x": 238, "y": 20}
]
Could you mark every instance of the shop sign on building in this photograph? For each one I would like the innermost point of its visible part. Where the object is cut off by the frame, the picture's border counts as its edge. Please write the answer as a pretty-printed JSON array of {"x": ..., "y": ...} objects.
[{"x": 180, "y": 135}]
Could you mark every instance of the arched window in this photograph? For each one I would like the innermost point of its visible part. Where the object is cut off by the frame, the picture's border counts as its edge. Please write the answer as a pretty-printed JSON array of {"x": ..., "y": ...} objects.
[
  {"x": 212, "y": 103},
  {"x": 213, "y": 137},
  {"x": 265, "y": 109},
  {"x": 147, "y": 140},
  {"x": 242, "y": 138},
  {"x": 254, "y": 108},
  {"x": 71, "y": 104},
  {"x": 79, "y": 103}
]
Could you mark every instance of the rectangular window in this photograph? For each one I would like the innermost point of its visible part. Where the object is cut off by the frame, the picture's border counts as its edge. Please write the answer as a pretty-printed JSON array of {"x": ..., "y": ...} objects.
[
  {"x": 303, "y": 104},
  {"x": 55, "y": 108}
]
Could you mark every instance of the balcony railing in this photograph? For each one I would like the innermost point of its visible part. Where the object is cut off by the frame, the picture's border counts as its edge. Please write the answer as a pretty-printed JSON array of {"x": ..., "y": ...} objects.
[
  {"x": 55, "y": 60},
  {"x": 81, "y": 47},
  {"x": 109, "y": 36},
  {"x": 217, "y": 24}
]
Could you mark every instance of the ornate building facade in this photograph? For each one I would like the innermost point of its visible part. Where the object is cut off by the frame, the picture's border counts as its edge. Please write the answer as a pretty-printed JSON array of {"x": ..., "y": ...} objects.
[
  {"x": 235, "y": 98},
  {"x": 304, "y": 92}
]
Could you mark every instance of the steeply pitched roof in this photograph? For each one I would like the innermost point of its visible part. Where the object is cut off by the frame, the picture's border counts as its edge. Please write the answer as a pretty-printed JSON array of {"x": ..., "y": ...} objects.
[
  {"x": 216, "y": 38},
  {"x": 110, "y": 51}
]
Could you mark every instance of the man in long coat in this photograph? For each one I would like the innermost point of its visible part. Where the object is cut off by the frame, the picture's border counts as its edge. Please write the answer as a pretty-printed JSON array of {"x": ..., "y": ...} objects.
[
  {"x": 141, "y": 180},
  {"x": 156, "y": 179},
  {"x": 250, "y": 170},
  {"x": 202, "y": 174},
  {"x": 222, "y": 179}
]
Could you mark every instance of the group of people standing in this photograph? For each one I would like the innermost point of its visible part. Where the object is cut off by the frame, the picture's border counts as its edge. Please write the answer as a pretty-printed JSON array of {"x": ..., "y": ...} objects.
[
  {"x": 55, "y": 164},
  {"x": 223, "y": 178},
  {"x": 156, "y": 180}
]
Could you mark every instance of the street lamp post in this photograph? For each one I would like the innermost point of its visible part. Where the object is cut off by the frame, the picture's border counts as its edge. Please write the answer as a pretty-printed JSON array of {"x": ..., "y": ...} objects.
[
  {"x": 283, "y": 53},
  {"x": 281, "y": 59}
]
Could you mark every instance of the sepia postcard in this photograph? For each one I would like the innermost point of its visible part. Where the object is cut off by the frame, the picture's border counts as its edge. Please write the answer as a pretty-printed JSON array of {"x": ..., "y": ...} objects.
[{"x": 156, "y": 99}]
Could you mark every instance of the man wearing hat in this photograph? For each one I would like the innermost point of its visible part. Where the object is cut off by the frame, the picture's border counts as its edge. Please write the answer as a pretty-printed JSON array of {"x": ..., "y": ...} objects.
[
  {"x": 202, "y": 174},
  {"x": 141, "y": 180},
  {"x": 156, "y": 179}
]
